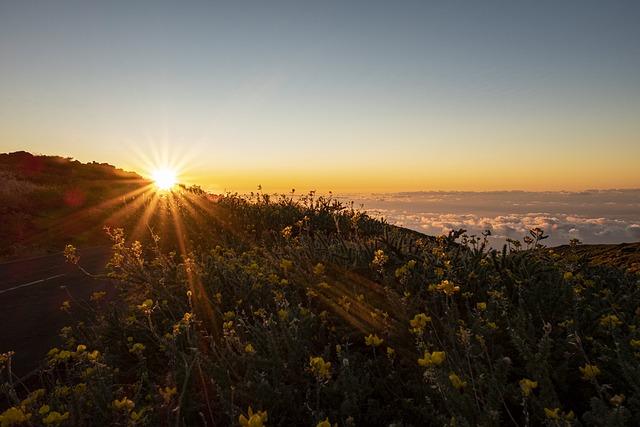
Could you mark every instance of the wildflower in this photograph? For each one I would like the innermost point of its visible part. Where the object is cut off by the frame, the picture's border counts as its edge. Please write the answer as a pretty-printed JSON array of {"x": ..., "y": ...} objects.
[
  {"x": 324, "y": 423},
  {"x": 229, "y": 315},
  {"x": 146, "y": 306},
  {"x": 527, "y": 385},
  {"x": 481, "y": 306},
  {"x": 286, "y": 232},
  {"x": 254, "y": 419},
  {"x": 432, "y": 359},
  {"x": 373, "y": 340},
  {"x": 55, "y": 418},
  {"x": 97, "y": 296},
  {"x": 635, "y": 343},
  {"x": 227, "y": 327},
  {"x": 136, "y": 415},
  {"x": 617, "y": 400},
  {"x": 124, "y": 404},
  {"x": 448, "y": 288},
  {"x": 81, "y": 348},
  {"x": 62, "y": 391},
  {"x": 418, "y": 323},
  {"x": 33, "y": 397},
  {"x": 249, "y": 349},
  {"x": 320, "y": 368},
  {"x": 13, "y": 416},
  {"x": 137, "y": 349},
  {"x": 93, "y": 356},
  {"x": 44, "y": 410},
  {"x": 318, "y": 269},
  {"x": 283, "y": 314},
  {"x": 589, "y": 372},
  {"x": 552, "y": 413},
  {"x": 80, "y": 388},
  {"x": 379, "y": 260},
  {"x": 286, "y": 265},
  {"x": 391, "y": 353},
  {"x": 66, "y": 306},
  {"x": 567, "y": 275},
  {"x": 610, "y": 321},
  {"x": 456, "y": 382},
  {"x": 167, "y": 393}
]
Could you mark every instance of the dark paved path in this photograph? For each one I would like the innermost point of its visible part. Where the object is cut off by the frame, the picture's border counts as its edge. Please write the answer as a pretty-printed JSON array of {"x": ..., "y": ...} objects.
[{"x": 31, "y": 293}]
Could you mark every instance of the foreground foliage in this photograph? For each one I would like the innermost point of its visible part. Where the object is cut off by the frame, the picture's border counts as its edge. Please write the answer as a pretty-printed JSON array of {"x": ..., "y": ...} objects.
[{"x": 305, "y": 312}]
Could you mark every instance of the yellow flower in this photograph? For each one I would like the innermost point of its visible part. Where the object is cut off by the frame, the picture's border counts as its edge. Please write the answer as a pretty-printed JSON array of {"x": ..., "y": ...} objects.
[
  {"x": 635, "y": 343},
  {"x": 481, "y": 306},
  {"x": 320, "y": 368},
  {"x": 324, "y": 423},
  {"x": 44, "y": 410},
  {"x": 66, "y": 306},
  {"x": 318, "y": 269},
  {"x": 283, "y": 314},
  {"x": 81, "y": 348},
  {"x": 55, "y": 418},
  {"x": 286, "y": 265},
  {"x": 97, "y": 296},
  {"x": 137, "y": 348},
  {"x": 146, "y": 306},
  {"x": 93, "y": 356},
  {"x": 617, "y": 400},
  {"x": 432, "y": 359},
  {"x": 249, "y": 348},
  {"x": 527, "y": 385},
  {"x": 567, "y": 275},
  {"x": 418, "y": 323},
  {"x": 13, "y": 416},
  {"x": 589, "y": 372},
  {"x": 610, "y": 321},
  {"x": 229, "y": 315},
  {"x": 124, "y": 404},
  {"x": 253, "y": 419},
  {"x": 456, "y": 382},
  {"x": 552, "y": 413},
  {"x": 373, "y": 340},
  {"x": 391, "y": 353},
  {"x": 167, "y": 393},
  {"x": 33, "y": 397},
  {"x": 448, "y": 288}
]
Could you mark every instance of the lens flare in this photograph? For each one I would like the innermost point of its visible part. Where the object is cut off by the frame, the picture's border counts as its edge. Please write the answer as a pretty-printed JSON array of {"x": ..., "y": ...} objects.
[{"x": 164, "y": 178}]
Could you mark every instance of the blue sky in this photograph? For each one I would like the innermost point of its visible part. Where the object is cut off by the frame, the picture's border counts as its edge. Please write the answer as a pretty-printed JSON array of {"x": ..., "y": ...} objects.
[{"x": 336, "y": 95}]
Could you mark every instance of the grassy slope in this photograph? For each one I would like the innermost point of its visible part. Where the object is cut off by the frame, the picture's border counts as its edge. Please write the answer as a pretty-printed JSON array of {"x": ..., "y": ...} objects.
[
  {"x": 48, "y": 201},
  {"x": 280, "y": 305}
]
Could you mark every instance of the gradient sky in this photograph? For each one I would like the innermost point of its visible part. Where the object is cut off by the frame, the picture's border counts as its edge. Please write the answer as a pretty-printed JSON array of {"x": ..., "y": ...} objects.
[{"x": 342, "y": 96}]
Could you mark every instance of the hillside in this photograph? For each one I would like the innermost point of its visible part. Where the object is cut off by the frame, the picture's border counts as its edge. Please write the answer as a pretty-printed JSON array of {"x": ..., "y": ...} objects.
[
  {"x": 625, "y": 256},
  {"x": 48, "y": 201},
  {"x": 268, "y": 311}
]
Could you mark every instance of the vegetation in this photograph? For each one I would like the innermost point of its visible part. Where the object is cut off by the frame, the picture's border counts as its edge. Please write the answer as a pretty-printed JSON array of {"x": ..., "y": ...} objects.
[
  {"x": 266, "y": 311},
  {"x": 47, "y": 201}
]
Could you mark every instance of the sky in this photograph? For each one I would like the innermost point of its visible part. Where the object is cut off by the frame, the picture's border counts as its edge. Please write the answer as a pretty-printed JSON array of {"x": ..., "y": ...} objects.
[{"x": 358, "y": 96}]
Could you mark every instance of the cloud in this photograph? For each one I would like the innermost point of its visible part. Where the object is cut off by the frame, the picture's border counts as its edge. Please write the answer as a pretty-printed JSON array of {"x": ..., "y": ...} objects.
[{"x": 593, "y": 216}]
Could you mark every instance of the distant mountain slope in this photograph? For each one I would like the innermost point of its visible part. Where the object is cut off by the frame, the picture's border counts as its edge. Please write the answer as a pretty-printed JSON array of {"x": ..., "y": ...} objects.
[
  {"x": 625, "y": 255},
  {"x": 46, "y": 201}
]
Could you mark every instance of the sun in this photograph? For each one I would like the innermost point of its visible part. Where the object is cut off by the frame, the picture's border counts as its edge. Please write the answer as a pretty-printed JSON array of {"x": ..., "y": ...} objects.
[{"x": 164, "y": 178}]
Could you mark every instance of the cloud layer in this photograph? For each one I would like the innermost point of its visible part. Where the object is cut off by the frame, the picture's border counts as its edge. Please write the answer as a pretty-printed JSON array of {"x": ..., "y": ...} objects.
[{"x": 611, "y": 216}]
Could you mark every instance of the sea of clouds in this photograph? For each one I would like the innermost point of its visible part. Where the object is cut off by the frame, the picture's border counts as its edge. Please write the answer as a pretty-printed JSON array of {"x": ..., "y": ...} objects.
[{"x": 593, "y": 216}]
